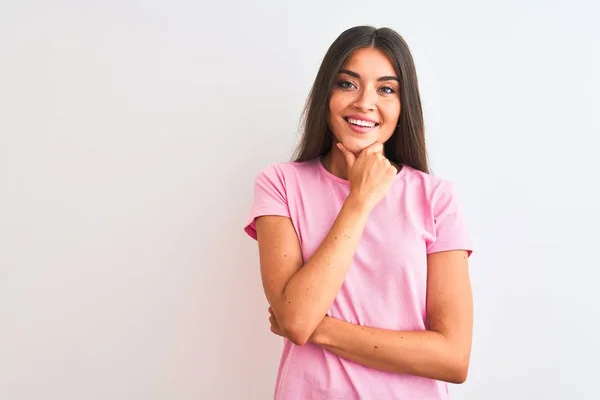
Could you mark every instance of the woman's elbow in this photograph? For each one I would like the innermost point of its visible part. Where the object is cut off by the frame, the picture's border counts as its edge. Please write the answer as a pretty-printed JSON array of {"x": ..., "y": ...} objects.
[
  {"x": 297, "y": 333},
  {"x": 459, "y": 371},
  {"x": 459, "y": 377},
  {"x": 296, "y": 337}
]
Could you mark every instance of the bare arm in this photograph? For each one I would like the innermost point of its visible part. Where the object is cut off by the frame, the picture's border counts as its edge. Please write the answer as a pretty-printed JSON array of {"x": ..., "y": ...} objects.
[
  {"x": 300, "y": 295},
  {"x": 441, "y": 353}
]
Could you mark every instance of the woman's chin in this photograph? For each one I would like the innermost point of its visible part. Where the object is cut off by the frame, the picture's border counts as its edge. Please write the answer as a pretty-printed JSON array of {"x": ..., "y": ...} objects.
[{"x": 356, "y": 146}]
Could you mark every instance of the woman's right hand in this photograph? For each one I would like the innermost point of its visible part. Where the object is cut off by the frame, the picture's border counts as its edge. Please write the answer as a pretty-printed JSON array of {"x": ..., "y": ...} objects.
[{"x": 371, "y": 174}]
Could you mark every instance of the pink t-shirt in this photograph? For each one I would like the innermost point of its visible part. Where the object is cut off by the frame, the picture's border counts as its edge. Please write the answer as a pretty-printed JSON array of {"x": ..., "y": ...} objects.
[{"x": 386, "y": 283}]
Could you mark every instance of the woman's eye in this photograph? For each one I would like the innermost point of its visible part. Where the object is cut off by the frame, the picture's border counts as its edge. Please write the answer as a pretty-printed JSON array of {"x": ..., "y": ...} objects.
[
  {"x": 388, "y": 90},
  {"x": 345, "y": 85}
]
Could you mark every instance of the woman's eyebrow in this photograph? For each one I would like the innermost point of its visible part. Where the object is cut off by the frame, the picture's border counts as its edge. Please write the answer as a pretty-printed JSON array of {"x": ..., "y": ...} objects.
[{"x": 357, "y": 76}]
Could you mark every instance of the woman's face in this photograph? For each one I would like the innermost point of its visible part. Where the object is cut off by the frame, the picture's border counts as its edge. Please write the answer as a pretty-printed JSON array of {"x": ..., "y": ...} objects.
[{"x": 365, "y": 102}]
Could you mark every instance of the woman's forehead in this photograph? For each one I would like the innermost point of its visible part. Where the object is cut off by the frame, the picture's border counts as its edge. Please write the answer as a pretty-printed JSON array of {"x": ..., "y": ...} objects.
[{"x": 369, "y": 62}]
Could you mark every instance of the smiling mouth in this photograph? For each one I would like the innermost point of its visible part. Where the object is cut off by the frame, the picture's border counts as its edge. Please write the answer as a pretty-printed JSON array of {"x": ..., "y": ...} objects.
[{"x": 361, "y": 123}]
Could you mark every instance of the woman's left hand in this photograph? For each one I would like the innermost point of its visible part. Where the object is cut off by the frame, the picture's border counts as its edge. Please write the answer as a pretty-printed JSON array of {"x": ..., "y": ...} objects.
[{"x": 274, "y": 324}]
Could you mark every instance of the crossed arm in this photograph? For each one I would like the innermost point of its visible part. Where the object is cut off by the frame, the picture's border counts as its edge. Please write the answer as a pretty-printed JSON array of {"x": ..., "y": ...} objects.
[{"x": 300, "y": 295}]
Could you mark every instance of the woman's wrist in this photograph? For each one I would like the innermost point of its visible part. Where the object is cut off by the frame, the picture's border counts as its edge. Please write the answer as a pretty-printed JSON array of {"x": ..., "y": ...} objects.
[{"x": 358, "y": 203}]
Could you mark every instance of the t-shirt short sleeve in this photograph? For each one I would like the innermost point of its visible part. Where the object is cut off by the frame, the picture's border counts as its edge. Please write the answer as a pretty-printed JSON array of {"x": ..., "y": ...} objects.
[
  {"x": 270, "y": 197},
  {"x": 450, "y": 226}
]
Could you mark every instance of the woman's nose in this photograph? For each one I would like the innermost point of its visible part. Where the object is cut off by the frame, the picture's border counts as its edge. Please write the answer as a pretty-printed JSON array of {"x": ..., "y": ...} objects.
[{"x": 366, "y": 100}]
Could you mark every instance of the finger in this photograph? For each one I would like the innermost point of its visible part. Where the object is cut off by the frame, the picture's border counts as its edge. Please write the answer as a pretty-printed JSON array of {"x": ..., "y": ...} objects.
[
  {"x": 350, "y": 158},
  {"x": 375, "y": 148},
  {"x": 273, "y": 322},
  {"x": 276, "y": 331}
]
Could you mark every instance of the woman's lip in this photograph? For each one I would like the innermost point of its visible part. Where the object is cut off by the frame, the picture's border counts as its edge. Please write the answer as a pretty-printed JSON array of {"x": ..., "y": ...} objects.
[
  {"x": 360, "y": 129},
  {"x": 358, "y": 117}
]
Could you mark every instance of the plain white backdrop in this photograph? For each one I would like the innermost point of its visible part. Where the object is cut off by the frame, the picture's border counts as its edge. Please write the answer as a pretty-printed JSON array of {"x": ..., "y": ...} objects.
[{"x": 130, "y": 135}]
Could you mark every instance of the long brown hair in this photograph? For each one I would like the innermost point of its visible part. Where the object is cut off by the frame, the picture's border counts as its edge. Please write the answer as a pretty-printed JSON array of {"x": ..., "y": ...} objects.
[{"x": 407, "y": 143}]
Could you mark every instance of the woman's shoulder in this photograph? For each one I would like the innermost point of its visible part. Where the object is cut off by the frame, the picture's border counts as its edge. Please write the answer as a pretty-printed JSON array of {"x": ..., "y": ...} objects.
[
  {"x": 431, "y": 186},
  {"x": 289, "y": 169},
  {"x": 416, "y": 176}
]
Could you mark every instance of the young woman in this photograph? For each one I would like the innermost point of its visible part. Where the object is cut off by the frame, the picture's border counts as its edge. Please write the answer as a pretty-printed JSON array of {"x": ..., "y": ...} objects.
[{"x": 363, "y": 253}]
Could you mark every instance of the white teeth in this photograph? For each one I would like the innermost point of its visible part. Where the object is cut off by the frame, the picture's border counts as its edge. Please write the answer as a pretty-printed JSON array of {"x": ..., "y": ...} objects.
[{"x": 361, "y": 123}]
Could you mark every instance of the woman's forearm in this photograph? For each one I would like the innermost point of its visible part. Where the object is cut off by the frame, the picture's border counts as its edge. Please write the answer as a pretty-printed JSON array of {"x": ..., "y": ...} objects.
[
  {"x": 423, "y": 353},
  {"x": 312, "y": 290}
]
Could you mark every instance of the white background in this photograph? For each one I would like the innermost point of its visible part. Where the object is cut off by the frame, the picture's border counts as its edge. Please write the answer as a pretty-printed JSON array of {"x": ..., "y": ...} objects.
[{"x": 130, "y": 135}]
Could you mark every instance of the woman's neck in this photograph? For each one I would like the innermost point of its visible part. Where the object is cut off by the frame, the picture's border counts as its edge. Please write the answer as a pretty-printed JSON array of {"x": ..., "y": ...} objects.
[{"x": 335, "y": 163}]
